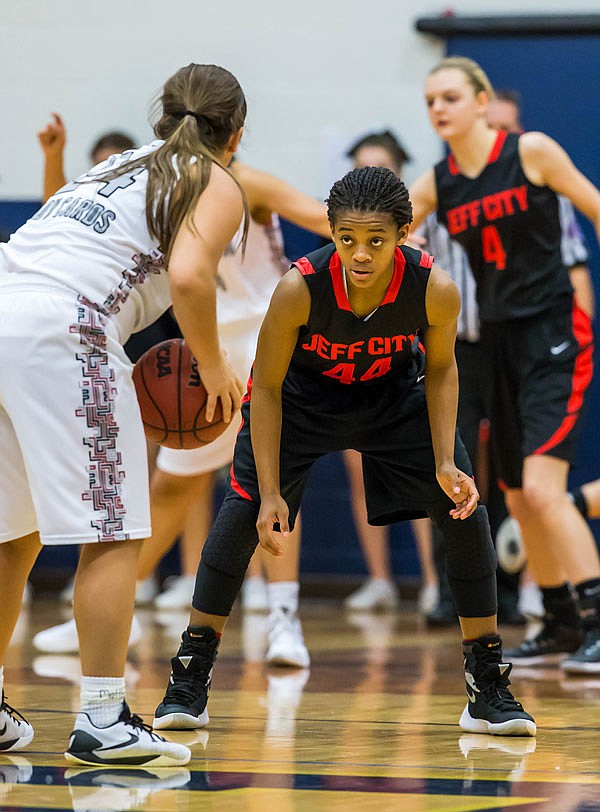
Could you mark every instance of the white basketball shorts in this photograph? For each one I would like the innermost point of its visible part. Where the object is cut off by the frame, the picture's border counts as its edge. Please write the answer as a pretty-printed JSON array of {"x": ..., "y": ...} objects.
[
  {"x": 72, "y": 446},
  {"x": 239, "y": 343}
]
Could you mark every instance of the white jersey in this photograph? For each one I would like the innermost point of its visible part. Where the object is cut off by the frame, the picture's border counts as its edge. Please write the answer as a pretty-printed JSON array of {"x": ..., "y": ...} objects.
[
  {"x": 91, "y": 238},
  {"x": 245, "y": 284},
  {"x": 244, "y": 289}
]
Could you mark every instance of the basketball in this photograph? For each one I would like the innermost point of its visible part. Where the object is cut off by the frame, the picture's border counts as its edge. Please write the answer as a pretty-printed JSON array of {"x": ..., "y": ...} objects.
[{"x": 172, "y": 397}]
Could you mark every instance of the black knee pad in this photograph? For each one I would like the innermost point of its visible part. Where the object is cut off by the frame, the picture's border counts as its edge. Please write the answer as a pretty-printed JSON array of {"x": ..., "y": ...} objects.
[
  {"x": 229, "y": 547},
  {"x": 469, "y": 547},
  {"x": 470, "y": 562},
  {"x": 233, "y": 536}
]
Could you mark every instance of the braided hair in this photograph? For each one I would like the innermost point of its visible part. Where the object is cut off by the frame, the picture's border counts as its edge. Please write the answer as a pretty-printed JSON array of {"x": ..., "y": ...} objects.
[{"x": 372, "y": 189}]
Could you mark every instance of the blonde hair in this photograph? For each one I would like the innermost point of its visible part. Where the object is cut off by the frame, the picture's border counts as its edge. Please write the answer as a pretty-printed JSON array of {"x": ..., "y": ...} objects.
[
  {"x": 200, "y": 108},
  {"x": 475, "y": 74}
]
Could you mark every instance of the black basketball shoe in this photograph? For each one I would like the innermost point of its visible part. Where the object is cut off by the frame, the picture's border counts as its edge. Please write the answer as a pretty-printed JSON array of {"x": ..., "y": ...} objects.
[
  {"x": 586, "y": 660},
  {"x": 184, "y": 704},
  {"x": 550, "y": 644},
  {"x": 491, "y": 707}
]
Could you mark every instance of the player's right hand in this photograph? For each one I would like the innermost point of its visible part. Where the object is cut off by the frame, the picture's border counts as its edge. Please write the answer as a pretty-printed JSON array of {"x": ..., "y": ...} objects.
[
  {"x": 221, "y": 384},
  {"x": 53, "y": 136},
  {"x": 273, "y": 509},
  {"x": 460, "y": 487}
]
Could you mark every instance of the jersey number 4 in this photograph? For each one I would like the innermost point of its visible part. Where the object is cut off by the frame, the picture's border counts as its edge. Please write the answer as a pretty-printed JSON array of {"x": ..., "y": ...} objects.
[
  {"x": 492, "y": 248},
  {"x": 344, "y": 373}
]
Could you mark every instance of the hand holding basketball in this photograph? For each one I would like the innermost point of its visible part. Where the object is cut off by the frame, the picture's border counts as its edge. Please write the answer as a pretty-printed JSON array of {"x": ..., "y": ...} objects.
[
  {"x": 224, "y": 388},
  {"x": 174, "y": 401}
]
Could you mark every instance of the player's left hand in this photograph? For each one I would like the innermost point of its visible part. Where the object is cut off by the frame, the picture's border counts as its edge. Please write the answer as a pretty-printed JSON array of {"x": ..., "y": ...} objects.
[{"x": 460, "y": 488}]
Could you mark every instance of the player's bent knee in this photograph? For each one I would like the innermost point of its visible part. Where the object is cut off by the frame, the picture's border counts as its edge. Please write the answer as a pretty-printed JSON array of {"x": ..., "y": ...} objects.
[
  {"x": 233, "y": 537},
  {"x": 470, "y": 563},
  {"x": 469, "y": 548},
  {"x": 538, "y": 498},
  {"x": 230, "y": 546}
]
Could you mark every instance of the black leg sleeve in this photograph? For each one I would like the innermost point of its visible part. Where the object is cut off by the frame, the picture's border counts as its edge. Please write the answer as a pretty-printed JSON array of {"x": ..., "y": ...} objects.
[
  {"x": 229, "y": 547},
  {"x": 470, "y": 562}
]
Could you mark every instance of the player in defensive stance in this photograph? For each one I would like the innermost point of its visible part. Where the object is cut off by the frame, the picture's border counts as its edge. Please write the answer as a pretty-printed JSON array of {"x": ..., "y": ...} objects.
[
  {"x": 85, "y": 272},
  {"x": 340, "y": 365}
]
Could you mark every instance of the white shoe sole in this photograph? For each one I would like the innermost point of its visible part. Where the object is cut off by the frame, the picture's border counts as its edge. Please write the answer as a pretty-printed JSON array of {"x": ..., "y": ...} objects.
[
  {"x": 538, "y": 659},
  {"x": 153, "y": 760},
  {"x": 378, "y": 608},
  {"x": 575, "y": 667},
  {"x": 302, "y": 660},
  {"x": 514, "y": 727},
  {"x": 180, "y": 721},
  {"x": 288, "y": 662}
]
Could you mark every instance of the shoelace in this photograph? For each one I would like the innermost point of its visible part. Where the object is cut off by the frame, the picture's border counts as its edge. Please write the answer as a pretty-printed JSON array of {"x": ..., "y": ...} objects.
[
  {"x": 492, "y": 683},
  {"x": 184, "y": 689},
  {"x": 498, "y": 695},
  {"x": 135, "y": 721},
  {"x": 14, "y": 714}
]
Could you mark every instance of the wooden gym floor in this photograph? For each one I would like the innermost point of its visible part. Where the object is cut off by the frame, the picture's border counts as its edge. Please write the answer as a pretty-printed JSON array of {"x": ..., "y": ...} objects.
[{"x": 372, "y": 726}]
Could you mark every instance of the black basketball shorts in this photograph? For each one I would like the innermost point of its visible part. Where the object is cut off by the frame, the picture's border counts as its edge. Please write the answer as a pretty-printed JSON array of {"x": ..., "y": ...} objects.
[
  {"x": 538, "y": 372},
  {"x": 388, "y": 426}
]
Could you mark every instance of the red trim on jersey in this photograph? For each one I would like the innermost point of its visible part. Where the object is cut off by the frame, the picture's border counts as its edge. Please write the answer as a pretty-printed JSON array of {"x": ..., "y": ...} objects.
[
  {"x": 497, "y": 148},
  {"x": 452, "y": 165},
  {"x": 492, "y": 157},
  {"x": 339, "y": 289},
  {"x": 582, "y": 375},
  {"x": 304, "y": 266},
  {"x": 426, "y": 260},
  {"x": 397, "y": 277},
  {"x": 248, "y": 394},
  {"x": 234, "y": 483}
]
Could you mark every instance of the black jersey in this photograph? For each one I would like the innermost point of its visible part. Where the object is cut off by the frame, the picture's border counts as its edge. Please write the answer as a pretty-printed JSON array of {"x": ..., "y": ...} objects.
[
  {"x": 510, "y": 230},
  {"x": 340, "y": 348}
]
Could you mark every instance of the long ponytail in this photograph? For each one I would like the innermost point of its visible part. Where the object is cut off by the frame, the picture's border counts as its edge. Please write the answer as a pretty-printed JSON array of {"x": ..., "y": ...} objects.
[{"x": 200, "y": 107}]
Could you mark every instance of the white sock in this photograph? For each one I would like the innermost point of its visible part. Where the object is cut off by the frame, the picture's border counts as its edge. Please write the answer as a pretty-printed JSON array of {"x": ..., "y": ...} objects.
[
  {"x": 254, "y": 578},
  {"x": 284, "y": 594},
  {"x": 102, "y": 699},
  {"x": 1, "y": 679}
]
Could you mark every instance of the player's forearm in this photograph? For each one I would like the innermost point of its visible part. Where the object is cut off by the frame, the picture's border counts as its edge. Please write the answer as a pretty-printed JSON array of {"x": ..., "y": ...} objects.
[
  {"x": 265, "y": 430},
  {"x": 54, "y": 175},
  {"x": 583, "y": 287},
  {"x": 441, "y": 391},
  {"x": 195, "y": 306}
]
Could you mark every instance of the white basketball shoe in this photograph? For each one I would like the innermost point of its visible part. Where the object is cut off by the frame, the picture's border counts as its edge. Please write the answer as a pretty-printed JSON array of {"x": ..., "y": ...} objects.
[
  {"x": 286, "y": 642},
  {"x": 127, "y": 741},
  {"x": 62, "y": 639},
  {"x": 15, "y": 730}
]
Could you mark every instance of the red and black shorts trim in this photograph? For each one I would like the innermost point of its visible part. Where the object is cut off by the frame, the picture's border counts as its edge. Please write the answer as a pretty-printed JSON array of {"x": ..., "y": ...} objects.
[{"x": 539, "y": 370}]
